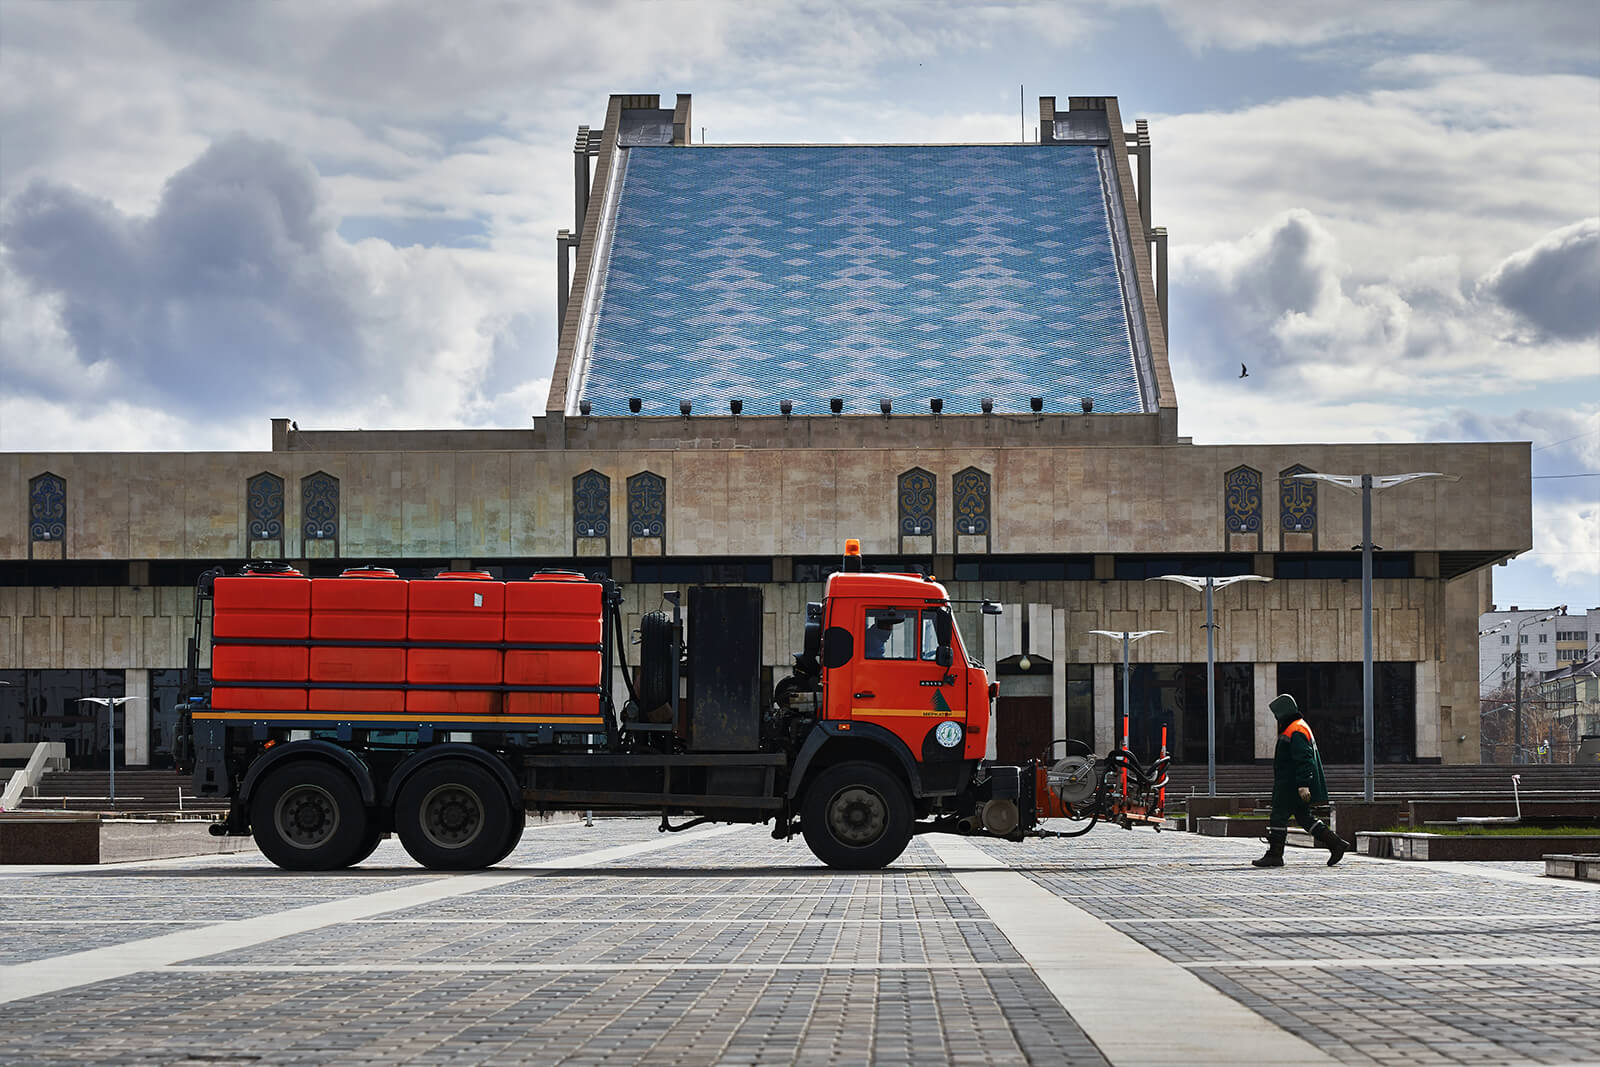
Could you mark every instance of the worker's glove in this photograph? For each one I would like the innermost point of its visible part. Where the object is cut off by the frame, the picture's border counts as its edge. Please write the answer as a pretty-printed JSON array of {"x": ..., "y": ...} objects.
[{"x": 1305, "y": 794}]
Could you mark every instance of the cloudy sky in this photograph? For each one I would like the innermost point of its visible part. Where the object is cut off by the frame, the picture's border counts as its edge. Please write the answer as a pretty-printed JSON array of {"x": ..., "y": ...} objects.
[{"x": 212, "y": 214}]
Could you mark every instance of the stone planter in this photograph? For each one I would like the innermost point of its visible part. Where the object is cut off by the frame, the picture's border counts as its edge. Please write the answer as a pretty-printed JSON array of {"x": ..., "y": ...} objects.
[{"x": 1421, "y": 846}]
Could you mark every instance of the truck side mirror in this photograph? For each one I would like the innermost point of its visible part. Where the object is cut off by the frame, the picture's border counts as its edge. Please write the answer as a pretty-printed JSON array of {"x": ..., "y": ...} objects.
[
  {"x": 838, "y": 646},
  {"x": 943, "y": 628},
  {"x": 991, "y": 608}
]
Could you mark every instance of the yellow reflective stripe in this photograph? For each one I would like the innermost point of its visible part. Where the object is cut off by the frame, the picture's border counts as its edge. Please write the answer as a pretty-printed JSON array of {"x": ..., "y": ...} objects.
[
  {"x": 395, "y": 716},
  {"x": 911, "y": 713}
]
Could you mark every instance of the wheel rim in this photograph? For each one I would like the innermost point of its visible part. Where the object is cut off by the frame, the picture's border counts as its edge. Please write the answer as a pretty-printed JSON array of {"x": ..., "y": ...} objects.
[
  {"x": 452, "y": 816},
  {"x": 857, "y": 815},
  {"x": 307, "y": 816}
]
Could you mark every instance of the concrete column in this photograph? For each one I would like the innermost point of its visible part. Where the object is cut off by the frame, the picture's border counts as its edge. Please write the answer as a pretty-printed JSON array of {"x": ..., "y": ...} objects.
[
  {"x": 1142, "y": 135},
  {"x": 136, "y": 719},
  {"x": 1266, "y": 732},
  {"x": 1105, "y": 707},
  {"x": 580, "y": 179},
  {"x": 1161, "y": 275},
  {"x": 563, "y": 271},
  {"x": 1058, "y": 683},
  {"x": 1429, "y": 742}
]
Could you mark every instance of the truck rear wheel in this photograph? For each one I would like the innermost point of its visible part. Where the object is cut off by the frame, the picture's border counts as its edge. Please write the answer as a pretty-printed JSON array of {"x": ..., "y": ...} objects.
[
  {"x": 453, "y": 815},
  {"x": 308, "y": 816},
  {"x": 856, "y": 816}
]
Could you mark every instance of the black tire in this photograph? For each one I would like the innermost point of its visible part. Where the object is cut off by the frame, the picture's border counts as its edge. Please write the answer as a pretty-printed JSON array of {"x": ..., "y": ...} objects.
[
  {"x": 453, "y": 815},
  {"x": 374, "y": 837},
  {"x": 308, "y": 816},
  {"x": 519, "y": 820},
  {"x": 856, "y": 816},
  {"x": 655, "y": 661}
]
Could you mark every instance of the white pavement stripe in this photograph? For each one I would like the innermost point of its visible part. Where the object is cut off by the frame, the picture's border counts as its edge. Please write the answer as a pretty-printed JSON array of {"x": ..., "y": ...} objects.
[
  {"x": 1400, "y": 961},
  {"x": 568, "y": 968},
  {"x": 75, "y": 969},
  {"x": 1328, "y": 920},
  {"x": 1494, "y": 873},
  {"x": 1252, "y": 894},
  {"x": 635, "y": 920},
  {"x": 1101, "y": 976}
]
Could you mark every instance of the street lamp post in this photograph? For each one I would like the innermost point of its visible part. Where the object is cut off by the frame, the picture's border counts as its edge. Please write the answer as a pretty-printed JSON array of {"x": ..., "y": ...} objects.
[
  {"x": 111, "y": 704},
  {"x": 1207, "y": 585},
  {"x": 1128, "y": 637},
  {"x": 1365, "y": 484},
  {"x": 1516, "y": 652}
]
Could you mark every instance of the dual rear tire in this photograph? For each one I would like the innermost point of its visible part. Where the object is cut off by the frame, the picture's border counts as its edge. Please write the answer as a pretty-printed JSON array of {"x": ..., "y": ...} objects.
[{"x": 451, "y": 815}]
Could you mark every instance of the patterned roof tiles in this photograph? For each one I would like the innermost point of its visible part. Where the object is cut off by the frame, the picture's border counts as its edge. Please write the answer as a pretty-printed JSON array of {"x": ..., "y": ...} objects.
[{"x": 898, "y": 273}]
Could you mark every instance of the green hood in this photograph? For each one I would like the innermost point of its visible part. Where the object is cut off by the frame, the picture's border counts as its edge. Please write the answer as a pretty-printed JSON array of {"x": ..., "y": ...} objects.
[{"x": 1284, "y": 707}]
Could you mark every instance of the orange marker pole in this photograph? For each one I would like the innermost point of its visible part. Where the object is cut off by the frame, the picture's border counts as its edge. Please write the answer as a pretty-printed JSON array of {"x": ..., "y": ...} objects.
[
  {"x": 1161, "y": 802},
  {"x": 1124, "y": 746}
]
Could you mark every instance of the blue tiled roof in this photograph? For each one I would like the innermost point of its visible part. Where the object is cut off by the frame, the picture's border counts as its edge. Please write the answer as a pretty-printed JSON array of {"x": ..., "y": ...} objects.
[{"x": 898, "y": 273}]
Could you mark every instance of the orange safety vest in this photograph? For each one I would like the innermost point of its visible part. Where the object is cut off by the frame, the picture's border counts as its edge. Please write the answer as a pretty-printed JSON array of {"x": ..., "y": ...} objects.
[{"x": 1299, "y": 727}]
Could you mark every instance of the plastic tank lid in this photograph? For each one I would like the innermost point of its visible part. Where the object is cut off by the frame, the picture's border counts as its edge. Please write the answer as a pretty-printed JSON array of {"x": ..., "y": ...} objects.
[
  {"x": 265, "y": 569},
  {"x": 368, "y": 572},
  {"x": 551, "y": 574},
  {"x": 473, "y": 576}
]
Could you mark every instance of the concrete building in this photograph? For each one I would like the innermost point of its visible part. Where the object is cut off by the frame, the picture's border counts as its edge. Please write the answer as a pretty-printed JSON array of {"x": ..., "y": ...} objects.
[{"x": 957, "y": 354}]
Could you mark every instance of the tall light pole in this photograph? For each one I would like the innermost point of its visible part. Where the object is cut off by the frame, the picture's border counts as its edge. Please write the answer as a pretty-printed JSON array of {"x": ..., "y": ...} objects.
[
  {"x": 1516, "y": 652},
  {"x": 1365, "y": 484},
  {"x": 1128, "y": 637},
  {"x": 111, "y": 704},
  {"x": 1207, "y": 585}
]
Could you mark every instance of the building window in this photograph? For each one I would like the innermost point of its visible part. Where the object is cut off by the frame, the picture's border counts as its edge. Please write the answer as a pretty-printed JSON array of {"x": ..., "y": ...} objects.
[
  {"x": 1544, "y": 639},
  {"x": 647, "y": 507},
  {"x": 1173, "y": 695},
  {"x": 319, "y": 511},
  {"x": 1330, "y": 694},
  {"x": 1505, "y": 639},
  {"x": 917, "y": 496},
  {"x": 591, "y": 511},
  {"x": 264, "y": 515},
  {"x": 1242, "y": 508},
  {"x": 43, "y": 705},
  {"x": 47, "y": 511},
  {"x": 1297, "y": 505},
  {"x": 1524, "y": 638},
  {"x": 969, "y": 491}
]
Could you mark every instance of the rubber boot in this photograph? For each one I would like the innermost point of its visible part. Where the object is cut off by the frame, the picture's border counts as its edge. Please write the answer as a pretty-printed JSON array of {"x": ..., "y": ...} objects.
[
  {"x": 1276, "y": 836},
  {"x": 1333, "y": 843}
]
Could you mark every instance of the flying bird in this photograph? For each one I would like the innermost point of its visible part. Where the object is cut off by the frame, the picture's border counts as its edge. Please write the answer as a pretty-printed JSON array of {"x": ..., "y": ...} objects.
[{"x": 1243, "y": 371}]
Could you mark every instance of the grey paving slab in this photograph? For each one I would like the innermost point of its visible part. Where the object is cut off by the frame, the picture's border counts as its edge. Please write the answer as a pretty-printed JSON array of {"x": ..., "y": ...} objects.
[{"x": 1376, "y": 961}]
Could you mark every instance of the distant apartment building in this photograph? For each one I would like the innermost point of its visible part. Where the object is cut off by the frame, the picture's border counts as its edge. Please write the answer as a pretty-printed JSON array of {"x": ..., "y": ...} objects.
[{"x": 1548, "y": 640}]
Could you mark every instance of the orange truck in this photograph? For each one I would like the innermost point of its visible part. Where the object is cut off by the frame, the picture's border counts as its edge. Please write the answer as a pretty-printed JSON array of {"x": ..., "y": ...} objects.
[{"x": 342, "y": 709}]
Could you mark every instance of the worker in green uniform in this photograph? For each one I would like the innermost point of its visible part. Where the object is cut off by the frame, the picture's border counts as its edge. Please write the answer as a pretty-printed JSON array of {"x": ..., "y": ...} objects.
[{"x": 1297, "y": 783}]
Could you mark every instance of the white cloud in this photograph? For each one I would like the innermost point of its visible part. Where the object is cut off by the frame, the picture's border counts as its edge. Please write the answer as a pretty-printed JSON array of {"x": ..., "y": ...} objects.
[{"x": 1555, "y": 284}]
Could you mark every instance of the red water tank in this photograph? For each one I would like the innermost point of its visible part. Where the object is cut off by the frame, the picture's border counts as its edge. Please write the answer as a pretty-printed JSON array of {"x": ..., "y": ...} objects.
[
  {"x": 364, "y": 604},
  {"x": 456, "y": 607},
  {"x": 563, "y": 611},
  {"x": 260, "y": 609}
]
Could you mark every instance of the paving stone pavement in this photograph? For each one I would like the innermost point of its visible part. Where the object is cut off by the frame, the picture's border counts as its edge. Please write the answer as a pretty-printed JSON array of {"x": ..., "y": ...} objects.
[
  {"x": 729, "y": 948},
  {"x": 1376, "y": 961}
]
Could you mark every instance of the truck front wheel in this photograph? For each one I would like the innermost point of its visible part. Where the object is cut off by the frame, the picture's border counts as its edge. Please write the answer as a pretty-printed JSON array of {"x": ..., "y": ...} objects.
[
  {"x": 308, "y": 816},
  {"x": 453, "y": 815},
  {"x": 856, "y": 816}
]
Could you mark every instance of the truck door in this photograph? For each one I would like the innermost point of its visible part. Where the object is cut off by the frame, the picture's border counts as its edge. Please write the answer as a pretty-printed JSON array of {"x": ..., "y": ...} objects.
[{"x": 897, "y": 683}]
